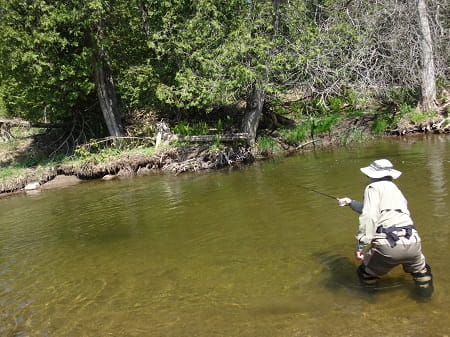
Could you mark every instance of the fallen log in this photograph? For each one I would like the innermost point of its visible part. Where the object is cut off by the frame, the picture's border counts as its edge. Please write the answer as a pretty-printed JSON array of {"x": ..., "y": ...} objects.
[
  {"x": 165, "y": 135},
  {"x": 18, "y": 122},
  {"x": 6, "y": 125},
  {"x": 232, "y": 137}
]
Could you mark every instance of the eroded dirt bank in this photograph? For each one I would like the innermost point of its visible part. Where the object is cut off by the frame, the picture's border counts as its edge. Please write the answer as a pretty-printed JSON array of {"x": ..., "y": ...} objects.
[{"x": 173, "y": 161}]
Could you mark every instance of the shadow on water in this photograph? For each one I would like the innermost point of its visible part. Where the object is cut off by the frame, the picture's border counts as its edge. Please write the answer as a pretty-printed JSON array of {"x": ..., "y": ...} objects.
[{"x": 342, "y": 275}]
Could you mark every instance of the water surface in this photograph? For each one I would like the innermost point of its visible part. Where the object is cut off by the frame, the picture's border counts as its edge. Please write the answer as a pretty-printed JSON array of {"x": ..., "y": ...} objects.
[{"x": 242, "y": 252}]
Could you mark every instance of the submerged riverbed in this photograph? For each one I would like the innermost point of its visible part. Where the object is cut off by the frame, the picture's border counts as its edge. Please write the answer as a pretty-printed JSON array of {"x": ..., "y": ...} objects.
[{"x": 242, "y": 252}]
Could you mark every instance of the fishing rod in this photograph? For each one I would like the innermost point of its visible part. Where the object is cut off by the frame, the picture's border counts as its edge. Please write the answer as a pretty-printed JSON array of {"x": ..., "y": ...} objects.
[{"x": 318, "y": 192}]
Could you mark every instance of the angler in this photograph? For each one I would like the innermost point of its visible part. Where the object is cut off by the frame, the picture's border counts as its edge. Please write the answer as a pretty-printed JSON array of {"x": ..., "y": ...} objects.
[{"x": 386, "y": 236}]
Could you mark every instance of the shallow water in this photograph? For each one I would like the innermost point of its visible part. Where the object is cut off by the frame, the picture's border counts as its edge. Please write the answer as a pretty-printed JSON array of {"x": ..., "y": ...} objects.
[{"x": 243, "y": 252}]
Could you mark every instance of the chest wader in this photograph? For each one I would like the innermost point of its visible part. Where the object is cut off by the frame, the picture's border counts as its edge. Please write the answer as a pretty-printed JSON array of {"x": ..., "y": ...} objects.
[
  {"x": 423, "y": 279},
  {"x": 424, "y": 283}
]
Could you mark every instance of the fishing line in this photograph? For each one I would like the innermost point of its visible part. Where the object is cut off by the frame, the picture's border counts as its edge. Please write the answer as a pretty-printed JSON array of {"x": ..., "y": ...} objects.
[{"x": 318, "y": 192}]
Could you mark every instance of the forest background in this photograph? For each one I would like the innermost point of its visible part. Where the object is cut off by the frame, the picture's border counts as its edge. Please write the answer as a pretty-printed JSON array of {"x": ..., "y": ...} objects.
[{"x": 98, "y": 79}]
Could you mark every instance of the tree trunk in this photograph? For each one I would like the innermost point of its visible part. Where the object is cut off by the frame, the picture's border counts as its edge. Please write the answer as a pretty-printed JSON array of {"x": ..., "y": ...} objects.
[
  {"x": 276, "y": 17},
  {"x": 253, "y": 115},
  {"x": 144, "y": 17},
  {"x": 428, "y": 79},
  {"x": 106, "y": 91}
]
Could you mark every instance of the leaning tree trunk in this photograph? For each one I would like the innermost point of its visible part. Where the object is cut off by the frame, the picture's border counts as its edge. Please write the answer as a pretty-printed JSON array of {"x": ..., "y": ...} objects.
[
  {"x": 253, "y": 115},
  {"x": 428, "y": 79},
  {"x": 106, "y": 90},
  {"x": 107, "y": 98}
]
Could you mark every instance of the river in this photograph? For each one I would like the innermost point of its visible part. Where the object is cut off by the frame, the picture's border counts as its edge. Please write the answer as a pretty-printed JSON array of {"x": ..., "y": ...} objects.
[{"x": 242, "y": 252}]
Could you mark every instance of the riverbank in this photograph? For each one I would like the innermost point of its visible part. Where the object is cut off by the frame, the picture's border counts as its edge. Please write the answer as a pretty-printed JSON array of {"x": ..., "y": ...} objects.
[{"x": 193, "y": 157}]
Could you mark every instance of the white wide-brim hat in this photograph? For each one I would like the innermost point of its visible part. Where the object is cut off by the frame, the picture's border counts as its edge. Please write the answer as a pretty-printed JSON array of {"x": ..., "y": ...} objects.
[{"x": 381, "y": 168}]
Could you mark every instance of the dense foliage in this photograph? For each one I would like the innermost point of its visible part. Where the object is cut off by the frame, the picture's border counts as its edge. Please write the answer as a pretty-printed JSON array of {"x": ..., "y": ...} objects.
[{"x": 177, "y": 56}]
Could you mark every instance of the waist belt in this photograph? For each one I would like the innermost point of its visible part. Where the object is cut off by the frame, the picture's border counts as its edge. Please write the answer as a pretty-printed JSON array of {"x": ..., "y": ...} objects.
[{"x": 390, "y": 231}]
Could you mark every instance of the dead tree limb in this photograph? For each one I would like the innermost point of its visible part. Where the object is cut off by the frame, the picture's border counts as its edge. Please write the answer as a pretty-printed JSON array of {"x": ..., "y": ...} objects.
[{"x": 18, "y": 122}]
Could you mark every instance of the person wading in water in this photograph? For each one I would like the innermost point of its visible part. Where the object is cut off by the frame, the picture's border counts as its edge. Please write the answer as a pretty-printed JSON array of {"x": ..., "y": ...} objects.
[{"x": 386, "y": 236}]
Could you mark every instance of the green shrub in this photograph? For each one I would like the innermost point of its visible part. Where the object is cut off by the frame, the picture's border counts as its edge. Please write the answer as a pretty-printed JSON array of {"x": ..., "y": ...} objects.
[
  {"x": 2, "y": 107},
  {"x": 216, "y": 145},
  {"x": 8, "y": 172},
  {"x": 400, "y": 96},
  {"x": 296, "y": 135},
  {"x": 96, "y": 153},
  {"x": 146, "y": 151},
  {"x": 417, "y": 116},
  {"x": 324, "y": 124},
  {"x": 266, "y": 144},
  {"x": 185, "y": 129},
  {"x": 379, "y": 126},
  {"x": 335, "y": 104}
]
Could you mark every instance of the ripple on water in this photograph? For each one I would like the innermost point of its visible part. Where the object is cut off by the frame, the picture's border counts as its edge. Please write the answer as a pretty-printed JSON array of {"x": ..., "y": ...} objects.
[{"x": 233, "y": 253}]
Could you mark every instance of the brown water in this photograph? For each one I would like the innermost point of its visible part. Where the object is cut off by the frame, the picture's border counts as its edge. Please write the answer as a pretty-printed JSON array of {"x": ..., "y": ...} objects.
[{"x": 243, "y": 252}]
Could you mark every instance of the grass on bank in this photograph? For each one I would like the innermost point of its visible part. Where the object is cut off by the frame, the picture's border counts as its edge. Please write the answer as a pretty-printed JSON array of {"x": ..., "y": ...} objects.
[
  {"x": 22, "y": 161},
  {"x": 316, "y": 118},
  {"x": 403, "y": 115}
]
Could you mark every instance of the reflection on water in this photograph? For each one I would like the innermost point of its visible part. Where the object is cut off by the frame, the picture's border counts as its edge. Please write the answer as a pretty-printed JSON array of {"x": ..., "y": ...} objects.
[
  {"x": 231, "y": 253},
  {"x": 436, "y": 165}
]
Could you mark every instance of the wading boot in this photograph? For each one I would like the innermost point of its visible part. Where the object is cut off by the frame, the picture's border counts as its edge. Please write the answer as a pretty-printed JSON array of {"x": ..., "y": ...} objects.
[
  {"x": 369, "y": 282},
  {"x": 424, "y": 283}
]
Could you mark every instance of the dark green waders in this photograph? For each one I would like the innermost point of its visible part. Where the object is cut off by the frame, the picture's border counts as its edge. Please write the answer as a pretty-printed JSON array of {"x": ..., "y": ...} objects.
[
  {"x": 367, "y": 281},
  {"x": 424, "y": 284}
]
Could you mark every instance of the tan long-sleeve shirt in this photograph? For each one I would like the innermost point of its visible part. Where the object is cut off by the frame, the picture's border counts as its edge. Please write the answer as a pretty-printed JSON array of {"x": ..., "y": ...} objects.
[{"x": 383, "y": 205}]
